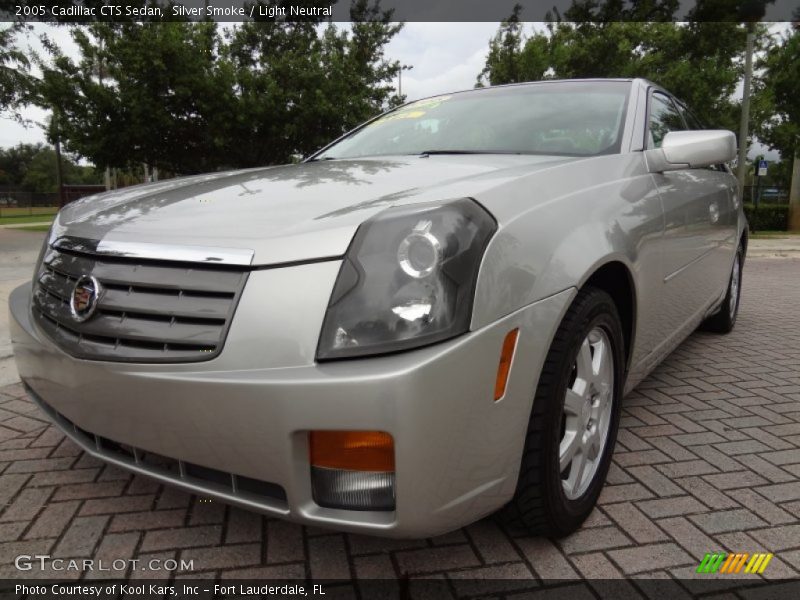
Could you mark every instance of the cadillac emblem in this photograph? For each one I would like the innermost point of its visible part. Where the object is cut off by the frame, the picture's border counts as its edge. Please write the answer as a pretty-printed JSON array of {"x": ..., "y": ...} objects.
[{"x": 83, "y": 301}]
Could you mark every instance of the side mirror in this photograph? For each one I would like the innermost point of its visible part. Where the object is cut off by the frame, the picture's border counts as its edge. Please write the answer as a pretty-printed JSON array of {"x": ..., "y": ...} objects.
[{"x": 691, "y": 150}]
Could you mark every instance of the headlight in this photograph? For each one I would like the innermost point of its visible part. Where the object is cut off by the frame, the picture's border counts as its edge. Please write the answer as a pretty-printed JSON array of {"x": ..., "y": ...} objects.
[{"x": 408, "y": 280}]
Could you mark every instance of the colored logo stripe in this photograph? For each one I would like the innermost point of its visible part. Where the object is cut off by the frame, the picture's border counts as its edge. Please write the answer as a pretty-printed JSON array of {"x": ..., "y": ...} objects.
[
  {"x": 722, "y": 562},
  {"x": 711, "y": 562},
  {"x": 734, "y": 563},
  {"x": 758, "y": 563}
]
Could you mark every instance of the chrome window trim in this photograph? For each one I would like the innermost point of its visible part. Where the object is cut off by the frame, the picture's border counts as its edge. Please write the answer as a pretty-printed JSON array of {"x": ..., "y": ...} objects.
[{"x": 155, "y": 251}]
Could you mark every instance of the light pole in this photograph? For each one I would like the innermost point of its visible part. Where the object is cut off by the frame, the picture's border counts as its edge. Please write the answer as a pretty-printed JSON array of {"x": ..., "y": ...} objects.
[
  {"x": 56, "y": 123},
  {"x": 751, "y": 12},
  {"x": 794, "y": 186},
  {"x": 100, "y": 75},
  {"x": 745, "y": 121},
  {"x": 400, "y": 79}
]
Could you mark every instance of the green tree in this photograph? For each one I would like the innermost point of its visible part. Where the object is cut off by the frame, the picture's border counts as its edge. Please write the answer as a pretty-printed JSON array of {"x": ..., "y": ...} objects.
[
  {"x": 697, "y": 61},
  {"x": 14, "y": 162},
  {"x": 297, "y": 89},
  {"x": 776, "y": 104},
  {"x": 32, "y": 168},
  {"x": 150, "y": 93},
  {"x": 40, "y": 174},
  {"x": 180, "y": 97},
  {"x": 16, "y": 83},
  {"x": 504, "y": 63}
]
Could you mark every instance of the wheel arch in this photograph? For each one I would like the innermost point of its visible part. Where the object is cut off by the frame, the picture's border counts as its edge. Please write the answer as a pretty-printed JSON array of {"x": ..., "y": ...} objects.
[
  {"x": 744, "y": 239},
  {"x": 615, "y": 278}
]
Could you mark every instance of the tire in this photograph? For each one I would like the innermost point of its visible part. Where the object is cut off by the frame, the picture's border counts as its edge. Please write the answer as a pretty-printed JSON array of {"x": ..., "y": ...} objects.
[
  {"x": 724, "y": 319},
  {"x": 548, "y": 500}
]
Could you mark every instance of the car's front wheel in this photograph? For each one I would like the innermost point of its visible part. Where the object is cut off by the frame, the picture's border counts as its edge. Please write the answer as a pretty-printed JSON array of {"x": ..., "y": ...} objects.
[{"x": 574, "y": 421}]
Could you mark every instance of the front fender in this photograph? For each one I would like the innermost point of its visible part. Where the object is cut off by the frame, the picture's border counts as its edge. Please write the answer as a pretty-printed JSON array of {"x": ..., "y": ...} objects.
[{"x": 559, "y": 244}]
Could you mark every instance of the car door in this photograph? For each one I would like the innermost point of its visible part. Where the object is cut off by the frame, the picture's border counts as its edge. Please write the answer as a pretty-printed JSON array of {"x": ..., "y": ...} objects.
[
  {"x": 695, "y": 204},
  {"x": 723, "y": 232}
]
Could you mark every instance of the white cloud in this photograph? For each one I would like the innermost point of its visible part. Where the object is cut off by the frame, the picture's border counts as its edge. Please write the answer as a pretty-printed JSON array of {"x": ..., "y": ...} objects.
[
  {"x": 455, "y": 77},
  {"x": 13, "y": 133},
  {"x": 445, "y": 56}
]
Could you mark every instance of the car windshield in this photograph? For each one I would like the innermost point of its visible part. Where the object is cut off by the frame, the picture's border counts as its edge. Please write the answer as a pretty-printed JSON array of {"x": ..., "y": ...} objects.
[{"x": 575, "y": 118}]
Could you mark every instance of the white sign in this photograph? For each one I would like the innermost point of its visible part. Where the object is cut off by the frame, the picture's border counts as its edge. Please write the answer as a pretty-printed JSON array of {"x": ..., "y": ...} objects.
[{"x": 762, "y": 168}]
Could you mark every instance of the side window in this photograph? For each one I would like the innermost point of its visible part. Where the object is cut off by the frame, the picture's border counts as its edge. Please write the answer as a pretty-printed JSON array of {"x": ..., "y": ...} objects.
[
  {"x": 690, "y": 119},
  {"x": 664, "y": 117}
]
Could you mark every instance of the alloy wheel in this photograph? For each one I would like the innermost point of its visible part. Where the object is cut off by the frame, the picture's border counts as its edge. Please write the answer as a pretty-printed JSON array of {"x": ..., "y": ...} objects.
[{"x": 587, "y": 413}]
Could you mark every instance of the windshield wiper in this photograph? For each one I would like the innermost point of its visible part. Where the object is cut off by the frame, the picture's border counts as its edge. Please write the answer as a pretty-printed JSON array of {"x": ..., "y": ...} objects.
[
  {"x": 429, "y": 152},
  {"x": 433, "y": 152}
]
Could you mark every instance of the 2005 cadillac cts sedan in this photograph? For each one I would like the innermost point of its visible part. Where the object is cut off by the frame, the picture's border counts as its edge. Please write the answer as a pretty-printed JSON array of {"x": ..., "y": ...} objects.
[{"x": 432, "y": 319}]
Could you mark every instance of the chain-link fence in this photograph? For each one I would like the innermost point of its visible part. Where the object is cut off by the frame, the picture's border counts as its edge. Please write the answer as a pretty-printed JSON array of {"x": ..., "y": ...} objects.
[
  {"x": 21, "y": 204},
  {"x": 27, "y": 204},
  {"x": 766, "y": 194}
]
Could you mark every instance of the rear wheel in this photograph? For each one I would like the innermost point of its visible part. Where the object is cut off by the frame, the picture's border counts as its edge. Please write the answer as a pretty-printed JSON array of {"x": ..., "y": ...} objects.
[
  {"x": 725, "y": 318},
  {"x": 573, "y": 425}
]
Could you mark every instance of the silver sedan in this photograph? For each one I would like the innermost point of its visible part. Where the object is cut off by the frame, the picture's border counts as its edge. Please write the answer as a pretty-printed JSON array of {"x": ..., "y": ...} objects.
[{"x": 432, "y": 319}]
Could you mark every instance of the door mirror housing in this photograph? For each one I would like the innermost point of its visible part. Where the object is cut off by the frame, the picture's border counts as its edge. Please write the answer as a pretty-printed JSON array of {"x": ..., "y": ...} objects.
[{"x": 691, "y": 150}]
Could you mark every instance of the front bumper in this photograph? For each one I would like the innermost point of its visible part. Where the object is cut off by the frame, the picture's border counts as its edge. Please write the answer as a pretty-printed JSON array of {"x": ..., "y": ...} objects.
[{"x": 247, "y": 413}]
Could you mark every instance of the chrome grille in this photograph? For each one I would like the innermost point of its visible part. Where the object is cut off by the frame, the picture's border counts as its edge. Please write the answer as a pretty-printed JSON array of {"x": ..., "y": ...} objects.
[{"x": 146, "y": 311}]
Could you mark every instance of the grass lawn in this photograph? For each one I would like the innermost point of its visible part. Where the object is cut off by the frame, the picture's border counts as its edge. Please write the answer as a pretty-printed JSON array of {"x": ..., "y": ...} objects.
[
  {"x": 25, "y": 212},
  {"x": 36, "y": 228},
  {"x": 773, "y": 235},
  {"x": 44, "y": 218}
]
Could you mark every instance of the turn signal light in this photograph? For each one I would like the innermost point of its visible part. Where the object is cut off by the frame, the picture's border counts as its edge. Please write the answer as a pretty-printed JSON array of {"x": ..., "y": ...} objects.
[
  {"x": 504, "y": 368},
  {"x": 352, "y": 450},
  {"x": 352, "y": 470}
]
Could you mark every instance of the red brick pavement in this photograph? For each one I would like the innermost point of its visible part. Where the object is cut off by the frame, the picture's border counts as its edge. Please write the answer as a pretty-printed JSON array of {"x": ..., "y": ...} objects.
[{"x": 708, "y": 458}]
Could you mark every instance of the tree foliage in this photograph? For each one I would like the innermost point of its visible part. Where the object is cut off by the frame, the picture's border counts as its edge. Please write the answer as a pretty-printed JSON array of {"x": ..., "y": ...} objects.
[
  {"x": 300, "y": 84},
  {"x": 16, "y": 83},
  {"x": 141, "y": 93},
  {"x": 698, "y": 61},
  {"x": 32, "y": 168},
  {"x": 184, "y": 98},
  {"x": 777, "y": 96}
]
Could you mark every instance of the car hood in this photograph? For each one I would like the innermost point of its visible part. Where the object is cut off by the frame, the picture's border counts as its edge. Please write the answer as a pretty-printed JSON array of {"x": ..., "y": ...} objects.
[{"x": 282, "y": 214}]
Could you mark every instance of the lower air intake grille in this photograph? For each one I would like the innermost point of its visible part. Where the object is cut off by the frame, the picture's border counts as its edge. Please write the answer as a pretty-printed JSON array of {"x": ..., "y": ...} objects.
[{"x": 213, "y": 480}]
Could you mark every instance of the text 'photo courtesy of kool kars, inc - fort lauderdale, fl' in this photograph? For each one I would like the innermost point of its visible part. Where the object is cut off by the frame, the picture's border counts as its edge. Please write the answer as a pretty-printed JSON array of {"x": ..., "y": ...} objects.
[{"x": 106, "y": 590}]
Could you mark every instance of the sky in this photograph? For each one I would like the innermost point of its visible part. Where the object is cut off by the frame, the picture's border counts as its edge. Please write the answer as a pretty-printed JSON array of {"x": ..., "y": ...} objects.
[{"x": 444, "y": 57}]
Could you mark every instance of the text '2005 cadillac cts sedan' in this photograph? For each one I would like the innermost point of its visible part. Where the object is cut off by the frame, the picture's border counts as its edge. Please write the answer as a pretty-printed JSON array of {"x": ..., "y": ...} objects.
[{"x": 433, "y": 319}]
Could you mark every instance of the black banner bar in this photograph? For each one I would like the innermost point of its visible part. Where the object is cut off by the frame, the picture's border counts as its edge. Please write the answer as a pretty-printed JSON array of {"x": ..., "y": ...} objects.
[
  {"x": 408, "y": 588},
  {"x": 86, "y": 11}
]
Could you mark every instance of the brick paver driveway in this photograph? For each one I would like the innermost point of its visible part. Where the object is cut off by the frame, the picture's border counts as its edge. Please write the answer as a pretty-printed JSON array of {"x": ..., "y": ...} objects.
[{"x": 708, "y": 458}]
